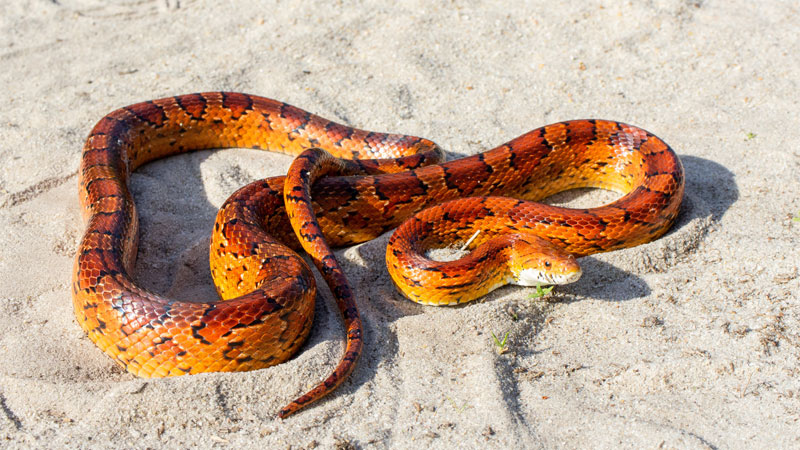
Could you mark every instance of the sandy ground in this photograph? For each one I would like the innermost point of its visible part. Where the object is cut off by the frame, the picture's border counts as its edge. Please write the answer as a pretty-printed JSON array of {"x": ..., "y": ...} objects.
[{"x": 688, "y": 342}]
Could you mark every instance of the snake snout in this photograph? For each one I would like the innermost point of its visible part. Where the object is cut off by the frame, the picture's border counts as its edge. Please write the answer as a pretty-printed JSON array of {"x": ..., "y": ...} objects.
[
  {"x": 538, "y": 261},
  {"x": 569, "y": 276},
  {"x": 570, "y": 271}
]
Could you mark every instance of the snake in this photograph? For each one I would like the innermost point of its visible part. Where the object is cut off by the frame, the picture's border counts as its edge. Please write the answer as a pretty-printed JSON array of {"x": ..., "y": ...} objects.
[{"x": 345, "y": 186}]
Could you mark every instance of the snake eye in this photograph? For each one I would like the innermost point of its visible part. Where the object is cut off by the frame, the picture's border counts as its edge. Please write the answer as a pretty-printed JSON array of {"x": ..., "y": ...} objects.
[{"x": 547, "y": 263}]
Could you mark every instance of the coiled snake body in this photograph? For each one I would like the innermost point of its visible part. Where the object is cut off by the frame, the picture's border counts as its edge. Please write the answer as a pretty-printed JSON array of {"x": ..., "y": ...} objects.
[{"x": 268, "y": 291}]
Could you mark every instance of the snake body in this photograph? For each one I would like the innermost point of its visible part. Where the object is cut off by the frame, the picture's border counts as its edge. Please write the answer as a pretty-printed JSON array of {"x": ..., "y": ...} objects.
[{"x": 267, "y": 291}]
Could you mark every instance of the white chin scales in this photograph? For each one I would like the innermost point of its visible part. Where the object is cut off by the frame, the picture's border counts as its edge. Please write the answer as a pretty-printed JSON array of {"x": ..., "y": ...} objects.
[{"x": 533, "y": 277}]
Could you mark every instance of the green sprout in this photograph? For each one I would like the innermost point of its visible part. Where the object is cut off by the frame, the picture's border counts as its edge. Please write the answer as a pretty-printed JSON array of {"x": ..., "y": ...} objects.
[
  {"x": 501, "y": 345},
  {"x": 456, "y": 407},
  {"x": 541, "y": 291},
  {"x": 750, "y": 136},
  {"x": 796, "y": 218}
]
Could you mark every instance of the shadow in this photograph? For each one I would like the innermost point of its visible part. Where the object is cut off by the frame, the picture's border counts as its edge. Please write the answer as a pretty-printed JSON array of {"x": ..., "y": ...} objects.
[
  {"x": 603, "y": 281},
  {"x": 175, "y": 218},
  {"x": 711, "y": 182},
  {"x": 710, "y": 191}
]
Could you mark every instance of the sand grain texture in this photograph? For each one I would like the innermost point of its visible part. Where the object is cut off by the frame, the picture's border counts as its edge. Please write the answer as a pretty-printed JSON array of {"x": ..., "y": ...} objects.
[{"x": 688, "y": 342}]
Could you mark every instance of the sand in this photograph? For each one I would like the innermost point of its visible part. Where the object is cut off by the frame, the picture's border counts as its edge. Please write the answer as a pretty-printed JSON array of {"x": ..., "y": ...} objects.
[{"x": 688, "y": 342}]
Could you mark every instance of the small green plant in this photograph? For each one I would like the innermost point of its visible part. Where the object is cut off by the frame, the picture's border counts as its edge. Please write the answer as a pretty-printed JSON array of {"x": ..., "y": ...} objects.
[
  {"x": 501, "y": 345},
  {"x": 750, "y": 136},
  {"x": 796, "y": 218},
  {"x": 456, "y": 407},
  {"x": 541, "y": 291}
]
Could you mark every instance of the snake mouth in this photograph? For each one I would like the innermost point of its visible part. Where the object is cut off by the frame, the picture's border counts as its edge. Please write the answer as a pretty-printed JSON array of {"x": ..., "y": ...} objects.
[{"x": 533, "y": 277}]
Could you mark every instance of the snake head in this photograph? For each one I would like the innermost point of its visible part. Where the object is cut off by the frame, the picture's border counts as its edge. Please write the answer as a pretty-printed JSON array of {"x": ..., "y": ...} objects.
[{"x": 535, "y": 260}]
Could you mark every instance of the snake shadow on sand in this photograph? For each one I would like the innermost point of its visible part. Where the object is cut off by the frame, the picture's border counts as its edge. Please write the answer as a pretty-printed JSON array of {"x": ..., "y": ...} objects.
[{"x": 615, "y": 276}]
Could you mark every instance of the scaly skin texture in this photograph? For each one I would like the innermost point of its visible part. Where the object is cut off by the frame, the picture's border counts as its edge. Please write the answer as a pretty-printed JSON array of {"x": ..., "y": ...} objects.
[{"x": 267, "y": 291}]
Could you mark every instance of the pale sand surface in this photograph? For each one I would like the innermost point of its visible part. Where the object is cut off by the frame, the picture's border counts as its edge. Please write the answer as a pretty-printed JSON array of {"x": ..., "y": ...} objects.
[{"x": 689, "y": 342}]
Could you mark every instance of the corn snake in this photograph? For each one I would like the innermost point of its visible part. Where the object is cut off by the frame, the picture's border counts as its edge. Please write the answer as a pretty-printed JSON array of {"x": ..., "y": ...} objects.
[{"x": 268, "y": 290}]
